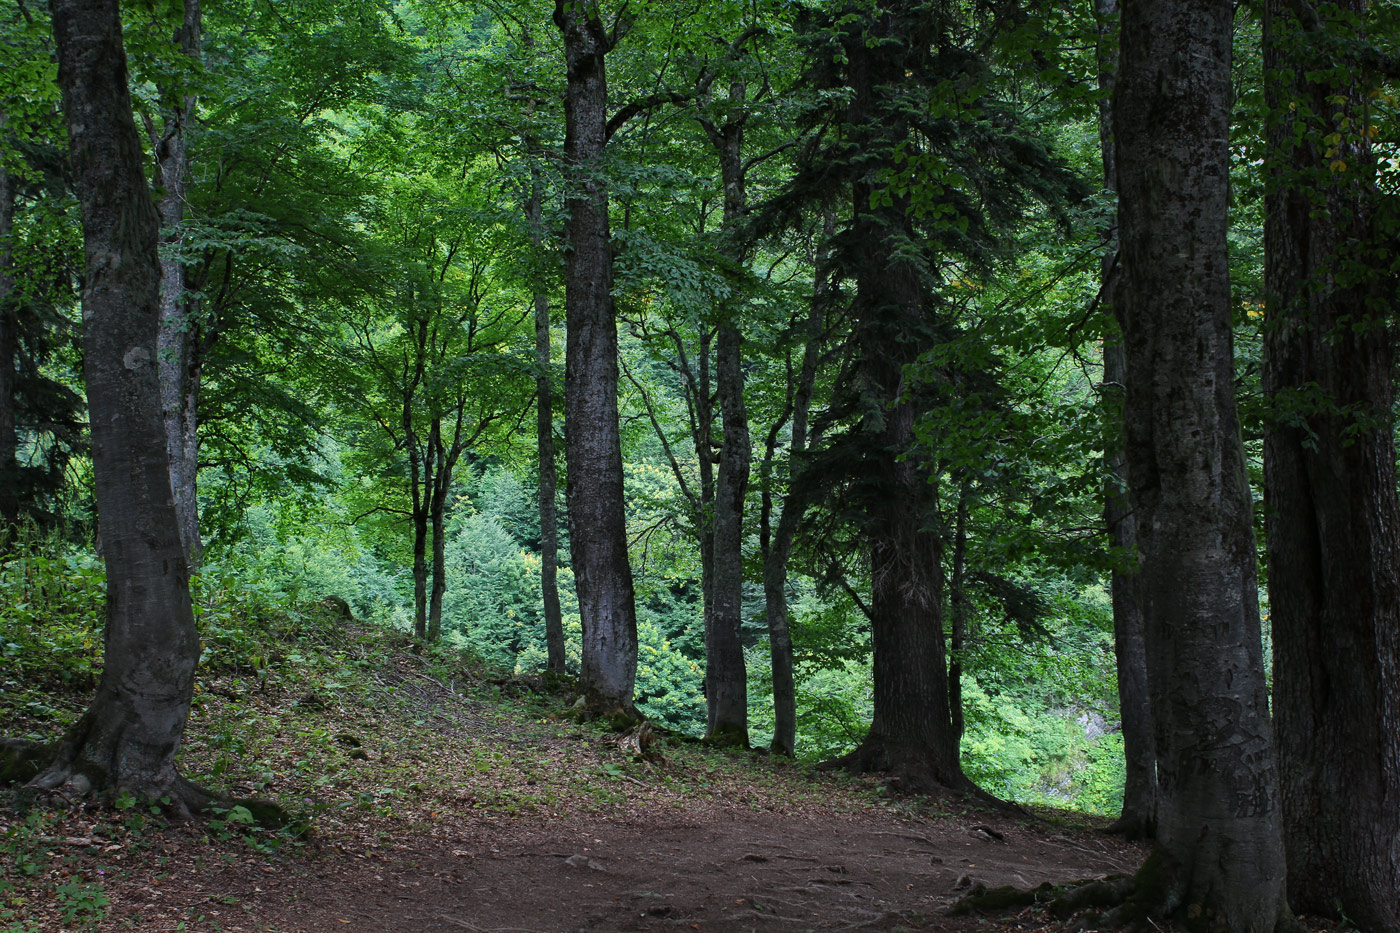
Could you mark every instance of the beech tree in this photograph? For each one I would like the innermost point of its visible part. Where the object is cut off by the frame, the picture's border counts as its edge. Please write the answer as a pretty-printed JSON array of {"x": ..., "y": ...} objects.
[
  {"x": 1138, "y": 818},
  {"x": 593, "y": 449},
  {"x": 181, "y": 357},
  {"x": 128, "y": 738},
  {"x": 1218, "y": 861},
  {"x": 1329, "y": 467}
]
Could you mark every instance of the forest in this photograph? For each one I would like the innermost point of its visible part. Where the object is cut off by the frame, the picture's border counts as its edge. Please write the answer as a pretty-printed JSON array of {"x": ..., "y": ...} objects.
[{"x": 993, "y": 398}]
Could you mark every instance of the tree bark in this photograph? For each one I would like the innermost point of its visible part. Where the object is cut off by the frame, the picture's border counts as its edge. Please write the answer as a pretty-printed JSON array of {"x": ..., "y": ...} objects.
[
  {"x": 128, "y": 738},
  {"x": 724, "y": 657},
  {"x": 1330, "y": 483},
  {"x": 1219, "y": 852},
  {"x": 777, "y": 542},
  {"x": 437, "y": 514},
  {"x": 179, "y": 340},
  {"x": 1138, "y": 818},
  {"x": 593, "y": 449},
  {"x": 549, "y": 476},
  {"x": 957, "y": 599},
  {"x": 9, "y": 346}
]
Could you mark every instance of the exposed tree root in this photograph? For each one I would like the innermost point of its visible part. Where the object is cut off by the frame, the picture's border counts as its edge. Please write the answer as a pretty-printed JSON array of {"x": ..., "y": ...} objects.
[
  {"x": 591, "y": 708},
  {"x": 914, "y": 774},
  {"x": 1137, "y": 903},
  {"x": 1133, "y": 826},
  {"x": 54, "y": 772},
  {"x": 728, "y": 737}
]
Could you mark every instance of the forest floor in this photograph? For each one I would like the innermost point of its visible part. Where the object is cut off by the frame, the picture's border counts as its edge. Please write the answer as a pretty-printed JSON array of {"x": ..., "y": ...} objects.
[{"x": 440, "y": 801}]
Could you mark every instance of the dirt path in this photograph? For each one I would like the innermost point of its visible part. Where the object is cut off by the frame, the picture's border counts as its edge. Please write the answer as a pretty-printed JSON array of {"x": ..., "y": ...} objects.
[{"x": 723, "y": 869}]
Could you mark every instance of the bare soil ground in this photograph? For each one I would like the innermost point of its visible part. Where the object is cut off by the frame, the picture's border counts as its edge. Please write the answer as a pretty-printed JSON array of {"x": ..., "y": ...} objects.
[
  {"x": 657, "y": 868},
  {"x": 439, "y": 806}
]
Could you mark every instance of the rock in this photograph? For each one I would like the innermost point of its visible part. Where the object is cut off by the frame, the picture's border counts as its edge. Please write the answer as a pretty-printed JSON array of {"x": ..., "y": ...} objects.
[
  {"x": 583, "y": 861},
  {"x": 1093, "y": 725}
]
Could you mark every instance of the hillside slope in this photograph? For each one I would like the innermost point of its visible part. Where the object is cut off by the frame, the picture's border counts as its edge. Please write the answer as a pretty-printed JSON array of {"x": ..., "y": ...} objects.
[{"x": 442, "y": 797}]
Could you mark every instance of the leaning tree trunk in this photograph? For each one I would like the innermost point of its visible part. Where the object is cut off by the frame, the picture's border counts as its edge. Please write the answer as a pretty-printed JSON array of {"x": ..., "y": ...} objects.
[
  {"x": 1139, "y": 815},
  {"x": 178, "y": 342},
  {"x": 127, "y": 739},
  {"x": 1329, "y": 472},
  {"x": 9, "y": 345},
  {"x": 728, "y": 699},
  {"x": 549, "y": 477},
  {"x": 1219, "y": 848},
  {"x": 593, "y": 448}
]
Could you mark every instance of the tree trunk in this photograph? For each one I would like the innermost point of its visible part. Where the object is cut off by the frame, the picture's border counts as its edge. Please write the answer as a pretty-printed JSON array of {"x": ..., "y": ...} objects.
[
  {"x": 728, "y": 700},
  {"x": 724, "y": 655},
  {"x": 420, "y": 511},
  {"x": 958, "y": 601},
  {"x": 777, "y": 543},
  {"x": 911, "y": 733},
  {"x": 702, "y": 390},
  {"x": 9, "y": 346},
  {"x": 179, "y": 354},
  {"x": 549, "y": 477},
  {"x": 593, "y": 449},
  {"x": 1330, "y": 482},
  {"x": 1139, "y": 815},
  {"x": 437, "y": 514},
  {"x": 1219, "y": 848},
  {"x": 128, "y": 738}
]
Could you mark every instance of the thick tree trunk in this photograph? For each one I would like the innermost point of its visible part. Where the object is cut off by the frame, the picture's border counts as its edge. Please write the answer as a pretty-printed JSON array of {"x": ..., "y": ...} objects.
[
  {"x": 724, "y": 657},
  {"x": 1139, "y": 815},
  {"x": 9, "y": 345},
  {"x": 1330, "y": 484},
  {"x": 179, "y": 358},
  {"x": 128, "y": 738},
  {"x": 911, "y": 733},
  {"x": 549, "y": 477},
  {"x": 1219, "y": 860},
  {"x": 593, "y": 449}
]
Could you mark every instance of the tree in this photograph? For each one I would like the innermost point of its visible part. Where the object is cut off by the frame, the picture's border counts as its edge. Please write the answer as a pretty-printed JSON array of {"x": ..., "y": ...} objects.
[
  {"x": 776, "y": 539},
  {"x": 128, "y": 738},
  {"x": 1138, "y": 818},
  {"x": 180, "y": 359},
  {"x": 41, "y": 414},
  {"x": 1218, "y": 861},
  {"x": 593, "y": 450},
  {"x": 1329, "y": 466}
]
